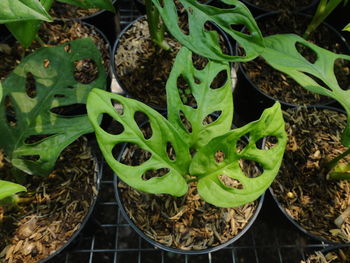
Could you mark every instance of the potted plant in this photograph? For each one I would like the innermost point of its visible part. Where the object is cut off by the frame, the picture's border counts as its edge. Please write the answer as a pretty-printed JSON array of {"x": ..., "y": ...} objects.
[
  {"x": 188, "y": 158},
  {"x": 37, "y": 135}
]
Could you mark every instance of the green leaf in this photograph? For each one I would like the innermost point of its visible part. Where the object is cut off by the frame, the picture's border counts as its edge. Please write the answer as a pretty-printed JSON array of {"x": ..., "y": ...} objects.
[
  {"x": 8, "y": 189},
  {"x": 101, "y": 4},
  {"x": 281, "y": 53},
  {"x": 24, "y": 115},
  {"x": 20, "y": 10},
  {"x": 208, "y": 100},
  {"x": 26, "y": 31},
  {"x": 99, "y": 103},
  {"x": 347, "y": 27},
  {"x": 208, "y": 170},
  {"x": 205, "y": 43}
]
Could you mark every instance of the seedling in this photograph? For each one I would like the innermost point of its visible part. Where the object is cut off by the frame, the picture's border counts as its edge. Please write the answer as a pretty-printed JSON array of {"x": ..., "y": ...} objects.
[{"x": 206, "y": 140}]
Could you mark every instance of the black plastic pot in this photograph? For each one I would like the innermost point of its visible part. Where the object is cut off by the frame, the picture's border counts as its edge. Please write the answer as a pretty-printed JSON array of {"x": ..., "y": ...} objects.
[
  {"x": 98, "y": 171},
  {"x": 257, "y": 11},
  {"x": 250, "y": 101},
  {"x": 290, "y": 218},
  {"x": 128, "y": 93}
]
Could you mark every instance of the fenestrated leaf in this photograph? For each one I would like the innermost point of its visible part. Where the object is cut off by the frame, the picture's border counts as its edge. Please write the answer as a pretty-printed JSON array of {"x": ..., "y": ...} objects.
[
  {"x": 174, "y": 183},
  {"x": 102, "y": 4},
  {"x": 205, "y": 43},
  {"x": 20, "y": 10},
  {"x": 208, "y": 100},
  {"x": 282, "y": 54},
  {"x": 23, "y": 116},
  {"x": 208, "y": 170},
  {"x": 8, "y": 189},
  {"x": 26, "y": 31}
]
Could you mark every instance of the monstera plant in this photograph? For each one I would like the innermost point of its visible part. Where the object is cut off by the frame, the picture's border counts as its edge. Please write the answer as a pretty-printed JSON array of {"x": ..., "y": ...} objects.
[
  {"x": 204, "y": 139},
  {"x": 33, "y": 130}
]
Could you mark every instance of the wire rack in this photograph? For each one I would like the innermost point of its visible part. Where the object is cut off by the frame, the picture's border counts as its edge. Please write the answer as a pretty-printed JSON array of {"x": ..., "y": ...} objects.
[{"x": 108, "y": 238}]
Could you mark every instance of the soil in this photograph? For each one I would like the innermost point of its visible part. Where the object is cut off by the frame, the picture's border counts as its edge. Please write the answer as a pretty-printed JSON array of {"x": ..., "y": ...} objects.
[
  {"x": 302, "y": 187},
  {"x": 11, "y": 52},
  {"x": 279, "y": 85},
  {"x": 52, "y": 209},
  {"x": 142, "y": 68},
  {"x": 66, "y": 11},
  {"x": 188, "y": 222},
  {"x": 341, "y": 255},
  {"x": 286, "y": 5}
]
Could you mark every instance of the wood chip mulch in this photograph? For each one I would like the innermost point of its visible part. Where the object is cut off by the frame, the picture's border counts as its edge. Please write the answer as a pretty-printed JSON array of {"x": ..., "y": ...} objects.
[{"x": 341, "y": 255}]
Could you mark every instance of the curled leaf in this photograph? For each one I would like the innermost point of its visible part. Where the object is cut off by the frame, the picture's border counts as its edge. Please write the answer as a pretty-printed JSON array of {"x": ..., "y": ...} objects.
[{"x": 8, "y": 189}]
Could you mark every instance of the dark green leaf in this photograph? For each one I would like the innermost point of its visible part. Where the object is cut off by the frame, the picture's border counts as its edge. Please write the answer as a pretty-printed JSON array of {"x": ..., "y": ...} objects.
[
  {"x": 205, "y": 43},
  {"x": 101, "y": 4},
  {"x": 24, "y": 115},
  {"x": 208, "y": 170}
]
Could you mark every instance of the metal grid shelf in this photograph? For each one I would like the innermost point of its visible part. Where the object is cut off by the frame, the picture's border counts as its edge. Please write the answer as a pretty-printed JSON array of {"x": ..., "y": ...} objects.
[{"x": 108, "y": 238}]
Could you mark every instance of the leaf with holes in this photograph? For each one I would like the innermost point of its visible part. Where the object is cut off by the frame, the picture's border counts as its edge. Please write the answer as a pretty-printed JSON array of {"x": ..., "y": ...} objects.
[
  {"x": 208, "y": 169},
  {"x": 8, "y": 189},
  {"x": 206, "y": 42},
  {"x": 101, "y": 4},
  {"x": 36, "y": 124},
  {"x": 173, "y": 182},
  {"x": 21, "y": 10},
  {"x": 318, "y": 77},
  {"x": 205, "y": 103}
]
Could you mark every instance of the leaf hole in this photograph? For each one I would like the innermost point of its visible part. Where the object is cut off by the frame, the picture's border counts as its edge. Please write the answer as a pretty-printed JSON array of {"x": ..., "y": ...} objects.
[
  {"x": 182, "y": 20},
  {"x": 117, "y": 106},
  {"x": 36, "y": 138},
  {"x": 114, "y": 127},
  {"x": 306, "y": 52},
  {"x": 143, "y": 123},
  {"x": 116, "y": 150},
  {"x": 170, "y": 151},
  {"x": 68, "y": 48},
  {"x": 250, "y": 168},
  {"x": 196, "y": 80},
  {"x": 341, "y": 70},
  {"x": 70, "y": 87},
  {"x": 212, "y": 117},
  {"x": 155, "y": 173},
  {"x": 199, "y": 62},
  {"x": 133, "y": 155},
  {"x": 185, "y": 122},
  {"x": 10, "y": 112},
  {"x": 30, "y": 85},
  {"x": 33, "y": 158},
  {"x": 317, "y": 80},
  {"x": 70, "y": 110},
  {"x": 267, "y": 142},
  {"x": 193, "y": 152},
  {"x": 219, "y": 80},
  {"x": 242, "y": 142},
  {"x": 230, "y": 182},
  {"x": 85, "y": 71},
  {"x": 239, "y": 27},
  {"x": 59, "y": 96},
  {"x": 226, "y": 6},
  {"x": 219, "y": 156},
  {"x": 46, "y": 63},
  {"x": 185, "y": 92}
]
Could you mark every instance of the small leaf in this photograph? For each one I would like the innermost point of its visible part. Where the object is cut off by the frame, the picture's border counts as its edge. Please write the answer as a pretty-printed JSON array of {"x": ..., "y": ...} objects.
[
  {"x": 101, "y": 4},
  {"x": 281, "y": 53},
  {"x": 174, "y": 183},
  {"x": 8, "y": 189},
  {"x": 21, "y": 10},
  {"x": 208, "y": 170},
  {"x": 205, "y": 43},
  {"x": 23, "y": 117},
  {"x": 208, "y": 100},
  {"x": 347, "y": 28}
]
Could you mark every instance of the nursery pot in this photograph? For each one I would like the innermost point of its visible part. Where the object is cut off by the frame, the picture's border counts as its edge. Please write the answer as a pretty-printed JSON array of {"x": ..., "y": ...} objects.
[
  {"x": 251, "y": 100},
  {"x": 301, "y": 185},
  {"x": 167, "y": 248},
  {"x": 160, "y": 81}
]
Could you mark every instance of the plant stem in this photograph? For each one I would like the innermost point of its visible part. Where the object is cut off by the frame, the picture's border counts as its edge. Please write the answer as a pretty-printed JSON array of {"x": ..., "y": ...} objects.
[
  {"x": 335, "y": 161},
  {"x": 338, "y": 171},
  {"x": 155, "y": 25}
]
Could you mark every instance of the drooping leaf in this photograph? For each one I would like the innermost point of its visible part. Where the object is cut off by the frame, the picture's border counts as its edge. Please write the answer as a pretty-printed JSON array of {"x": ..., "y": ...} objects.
[
  {"x": 102, "y": 4},
  {"x": 21, "y": 10},
  {"x": 207, "y": 99},
  {"x": 208, "y": 169},
  {"x": 174, "y": 183},
  {"x": 206, "y": 43},
  {"x": 318, "y": 76},
  {"x": 33, "y": 131},
  {"x": 347, "y": 27},
  {"x": 26, "y": 31},
  {"x": 8, "y": 189}
]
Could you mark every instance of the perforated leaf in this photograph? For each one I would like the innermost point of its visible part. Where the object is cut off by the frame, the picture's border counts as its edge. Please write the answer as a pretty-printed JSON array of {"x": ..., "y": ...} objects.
[
  {"x": 20, "y": 10},
  {"x": 8, "y": 189},
  {"x": 102, "y": 4},
  {"x": 208, "y": 170},
  {"x": 282, "y": 54},
  {"x": 31, "y": 134},
  {"x": 99, "y": 103},
  {"x": 207, "y": 99},
  {"x": 204, "y": 42}
]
